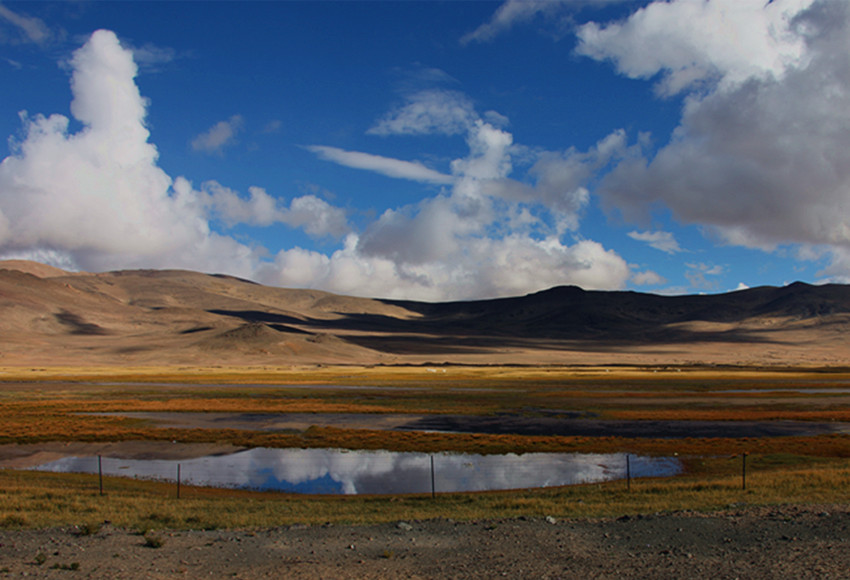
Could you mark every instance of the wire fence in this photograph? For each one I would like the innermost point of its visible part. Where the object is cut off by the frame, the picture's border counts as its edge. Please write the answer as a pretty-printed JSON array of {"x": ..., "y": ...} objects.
[{"x": 326, "y": 471}]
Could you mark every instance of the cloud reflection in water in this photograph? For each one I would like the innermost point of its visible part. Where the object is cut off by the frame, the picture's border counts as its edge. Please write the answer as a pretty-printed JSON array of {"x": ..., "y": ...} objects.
[{"x": 377, "y": 472}]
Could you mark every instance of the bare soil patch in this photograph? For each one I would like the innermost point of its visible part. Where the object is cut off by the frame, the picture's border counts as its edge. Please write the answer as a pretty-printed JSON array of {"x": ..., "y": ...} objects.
[
  {"x": 744, "y": 543},
  {"x": 272, "y": 421},
  {"x": 22, "y": 456}
]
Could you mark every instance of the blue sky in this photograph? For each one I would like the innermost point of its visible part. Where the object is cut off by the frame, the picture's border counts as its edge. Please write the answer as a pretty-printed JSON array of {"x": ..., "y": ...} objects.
[{"x": 432, "y": 150}]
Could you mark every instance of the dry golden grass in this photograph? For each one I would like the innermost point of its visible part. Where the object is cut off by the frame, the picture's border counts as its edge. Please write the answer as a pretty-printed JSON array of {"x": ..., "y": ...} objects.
[
  {"x": 54, "y": 404},
  {"x": 19, "y": 424},
  {"x": 614, "y": 375},
  {"x": 34, "y": 499}
]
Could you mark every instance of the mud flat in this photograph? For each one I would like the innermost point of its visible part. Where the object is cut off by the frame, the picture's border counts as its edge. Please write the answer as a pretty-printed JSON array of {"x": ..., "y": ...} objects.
[{"x": 502, "y": 424}]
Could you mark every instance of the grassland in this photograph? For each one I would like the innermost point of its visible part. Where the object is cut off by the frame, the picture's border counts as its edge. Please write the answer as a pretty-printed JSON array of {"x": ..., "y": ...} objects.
[
  {"x": 34, "y": 499},
  {"x": 53, "y": 404}
]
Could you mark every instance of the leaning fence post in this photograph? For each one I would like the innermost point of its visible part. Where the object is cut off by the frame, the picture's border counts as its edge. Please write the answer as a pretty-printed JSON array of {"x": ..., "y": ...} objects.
[{"x": 100, "y": 474}]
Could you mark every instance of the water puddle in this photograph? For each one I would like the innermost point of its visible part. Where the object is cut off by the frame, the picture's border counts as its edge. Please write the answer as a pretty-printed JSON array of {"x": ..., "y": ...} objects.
[{"x": 333, "y": 471}]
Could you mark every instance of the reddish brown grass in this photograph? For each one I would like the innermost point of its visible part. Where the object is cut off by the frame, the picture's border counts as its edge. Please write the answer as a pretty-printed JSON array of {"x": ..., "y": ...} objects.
[
  {"x": 730, "y": 415},
  {"x": 30, "y": 415}
]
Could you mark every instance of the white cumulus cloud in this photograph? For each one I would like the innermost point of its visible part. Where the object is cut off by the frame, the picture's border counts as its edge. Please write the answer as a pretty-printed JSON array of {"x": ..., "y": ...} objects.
[
  {"x": 648, "y": 278},
  {"x": 690, "y": 41},
  {"x": 480, "y": 237},
  {"x": 316, "y": 216},
  {"x": 761, "y": 156},
  {"x": 97, "y": 200},
  {"x": 485, "y": 268}
]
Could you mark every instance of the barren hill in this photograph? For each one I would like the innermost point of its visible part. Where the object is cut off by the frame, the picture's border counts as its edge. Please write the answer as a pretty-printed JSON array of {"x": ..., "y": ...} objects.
[{"x": 141, "y": 317}]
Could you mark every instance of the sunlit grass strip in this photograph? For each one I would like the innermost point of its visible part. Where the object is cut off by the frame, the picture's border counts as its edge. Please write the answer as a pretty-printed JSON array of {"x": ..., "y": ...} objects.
[
  {"x": 198, "y": 405},
  {"x": 389, "y": 375},
  {"x": 290, "y": 374},
  {"x": 37, "y": 500}
]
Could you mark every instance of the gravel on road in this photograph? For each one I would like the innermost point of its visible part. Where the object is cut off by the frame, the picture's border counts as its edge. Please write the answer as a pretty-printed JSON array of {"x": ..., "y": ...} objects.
[{"x": 741, "y": 542}]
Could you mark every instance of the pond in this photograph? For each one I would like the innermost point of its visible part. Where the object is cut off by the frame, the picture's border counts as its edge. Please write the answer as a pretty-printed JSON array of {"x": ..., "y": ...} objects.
[{"x": 334, "y": 471}]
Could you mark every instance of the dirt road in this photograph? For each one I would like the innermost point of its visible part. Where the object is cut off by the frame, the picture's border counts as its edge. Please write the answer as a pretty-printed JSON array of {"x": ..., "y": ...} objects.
[{"x": 762, "y": 543}]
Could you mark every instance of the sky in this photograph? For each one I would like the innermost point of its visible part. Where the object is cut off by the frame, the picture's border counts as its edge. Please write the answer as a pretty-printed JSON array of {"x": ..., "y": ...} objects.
[{"x": 432, "y": 150}]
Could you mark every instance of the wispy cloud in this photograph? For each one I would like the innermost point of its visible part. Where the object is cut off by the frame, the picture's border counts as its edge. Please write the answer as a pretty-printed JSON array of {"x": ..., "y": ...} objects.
[
  {"x": 664, "y": 241},
  {"x": 384, "y": 165},
  {"x": 427, "y": 112},
  {"x": 508, "y": 15},
  {"x": 150, "y": 57},
  {"x": 26, "y": 29},
  {"x": 698, "y": 273},
  {"x": 219, "y": 136},
  {"x": 272, "y": 126}
]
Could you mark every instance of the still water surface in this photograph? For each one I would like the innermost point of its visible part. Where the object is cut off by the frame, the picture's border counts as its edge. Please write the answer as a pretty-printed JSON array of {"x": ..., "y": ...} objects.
[{"x": 333, "y": 471}]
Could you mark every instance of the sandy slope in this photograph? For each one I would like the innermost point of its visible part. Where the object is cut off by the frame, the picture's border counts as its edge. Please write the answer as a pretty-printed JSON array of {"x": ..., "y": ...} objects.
[{"x": 170, "y": 317}]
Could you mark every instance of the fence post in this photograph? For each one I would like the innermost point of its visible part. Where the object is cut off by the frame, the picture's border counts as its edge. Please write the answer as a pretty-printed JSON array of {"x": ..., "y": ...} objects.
[
  {"x": 744, "y": 470},
  {"x": 433, "y": 489},
  {"x": 100, "y": 474},
  {"x": 628, "y": 474},
  {"x": 178, "y": 481}
]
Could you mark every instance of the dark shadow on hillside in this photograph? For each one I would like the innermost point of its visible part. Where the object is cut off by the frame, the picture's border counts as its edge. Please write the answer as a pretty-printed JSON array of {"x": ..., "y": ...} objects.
[
  {"x": 435, "y": 345},
  {"x": 569, "y": 318},
  {"x": 289, "y": 329},
  {"x": 79, "y": 326},
  {"x": 258, "y": 316},
  {"x": 422, "y": 336}
]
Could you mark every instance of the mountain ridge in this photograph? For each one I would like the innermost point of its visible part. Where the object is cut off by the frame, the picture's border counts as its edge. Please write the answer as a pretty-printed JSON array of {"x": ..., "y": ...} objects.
[{"x": 48, "y": 316}]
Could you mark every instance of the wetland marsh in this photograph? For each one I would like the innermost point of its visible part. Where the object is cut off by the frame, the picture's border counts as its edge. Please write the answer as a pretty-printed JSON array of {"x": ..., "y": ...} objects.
[{"x": 714, "y": 414}]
